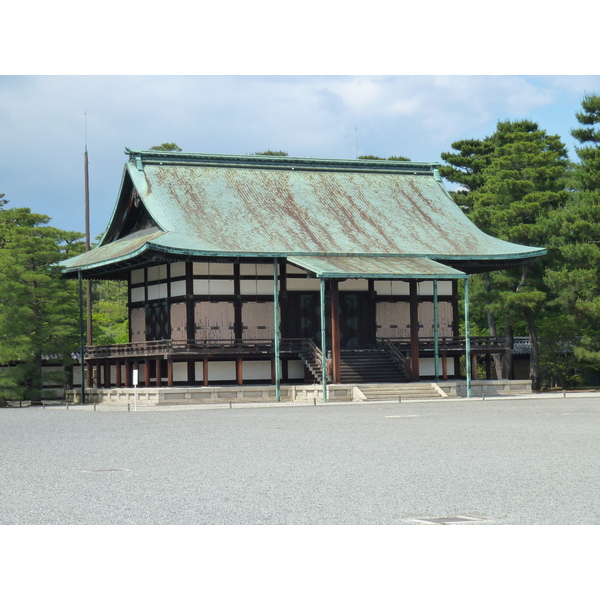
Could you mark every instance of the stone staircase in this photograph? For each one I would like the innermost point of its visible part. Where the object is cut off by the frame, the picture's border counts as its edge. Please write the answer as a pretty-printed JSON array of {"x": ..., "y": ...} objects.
[
  {"x": 372, "y": 365},
  {"x": 402, "y": 391}
]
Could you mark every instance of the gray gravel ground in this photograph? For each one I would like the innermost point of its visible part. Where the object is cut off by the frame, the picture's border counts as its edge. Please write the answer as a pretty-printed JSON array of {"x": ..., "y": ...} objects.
[{"x": 526, "y": 461}]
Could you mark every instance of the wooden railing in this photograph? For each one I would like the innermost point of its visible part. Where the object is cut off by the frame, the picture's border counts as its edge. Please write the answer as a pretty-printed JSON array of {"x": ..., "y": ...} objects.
[
  {"x": 203, "y": 347},
  {"x": 399, "y": 348},
  {"x": 398, "y": 357},
  {"x": 450, "y": 344}
]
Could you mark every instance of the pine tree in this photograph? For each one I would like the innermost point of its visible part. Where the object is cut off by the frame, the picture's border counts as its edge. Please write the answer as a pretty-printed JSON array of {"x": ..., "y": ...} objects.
[
  {"x": 38, "y": 309},
  {"x": 513, "y": 180},
  {"x": 576, "y": 281}
]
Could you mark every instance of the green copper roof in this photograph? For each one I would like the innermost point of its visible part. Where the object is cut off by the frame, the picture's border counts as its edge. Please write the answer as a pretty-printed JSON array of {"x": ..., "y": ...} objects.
[
  {"x": 375, "y": 268},
  {"x": 261, "y": 206}
]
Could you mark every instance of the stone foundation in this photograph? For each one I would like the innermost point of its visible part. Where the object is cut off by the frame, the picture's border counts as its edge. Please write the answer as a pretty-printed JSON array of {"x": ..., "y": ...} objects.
[{"x": 308, "y": 394}]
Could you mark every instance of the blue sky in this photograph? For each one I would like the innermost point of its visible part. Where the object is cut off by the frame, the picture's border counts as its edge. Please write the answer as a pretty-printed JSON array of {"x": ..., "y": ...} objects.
[
  {"x": 43, "y": 123},
  {"x": 239, "y": 78}
]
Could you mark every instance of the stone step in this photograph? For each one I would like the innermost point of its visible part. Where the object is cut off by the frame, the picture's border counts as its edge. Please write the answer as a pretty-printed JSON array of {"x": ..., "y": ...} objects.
[
  {"x": 371, "y": 365},
  {"x": 403, "y": 391}
]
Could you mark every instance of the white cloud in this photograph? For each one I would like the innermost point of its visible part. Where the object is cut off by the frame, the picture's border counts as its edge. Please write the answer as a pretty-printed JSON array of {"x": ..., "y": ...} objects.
[{"x": 42, "y": 120}]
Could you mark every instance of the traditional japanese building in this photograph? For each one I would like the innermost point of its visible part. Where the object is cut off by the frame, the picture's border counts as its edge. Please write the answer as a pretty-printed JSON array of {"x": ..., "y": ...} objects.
[{"x": 243, "y": 269}]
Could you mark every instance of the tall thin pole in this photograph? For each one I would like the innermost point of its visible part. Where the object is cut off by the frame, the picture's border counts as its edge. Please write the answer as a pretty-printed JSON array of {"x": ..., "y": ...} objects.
[
  {"x": 467, "y": 339},
  {"x": 88, "y": 245},
  {"x": 81, "y": 344},
  {"x": 276, "y": 329},
  {"x": 436, "y": 331},
  {"x": 323, "y": 340}
]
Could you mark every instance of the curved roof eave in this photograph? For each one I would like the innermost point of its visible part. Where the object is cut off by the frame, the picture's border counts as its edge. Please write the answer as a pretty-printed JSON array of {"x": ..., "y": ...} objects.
[{"x": 155, "y": 247}]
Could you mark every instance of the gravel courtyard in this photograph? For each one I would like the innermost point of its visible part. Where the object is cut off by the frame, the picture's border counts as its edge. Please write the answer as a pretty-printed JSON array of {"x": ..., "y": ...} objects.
[{"x": 527, "y": 461}]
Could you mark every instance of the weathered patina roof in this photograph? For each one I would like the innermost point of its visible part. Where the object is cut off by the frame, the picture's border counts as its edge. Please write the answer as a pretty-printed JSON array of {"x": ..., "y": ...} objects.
[
  {"x": 263, "y": 206},
  {"x": 358, "y": 267}
]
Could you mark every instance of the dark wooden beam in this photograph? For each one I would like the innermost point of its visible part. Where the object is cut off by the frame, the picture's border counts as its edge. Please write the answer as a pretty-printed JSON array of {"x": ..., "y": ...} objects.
[
  {"x": 414, "y": 330},
  {"x": 335, "y": 329}
]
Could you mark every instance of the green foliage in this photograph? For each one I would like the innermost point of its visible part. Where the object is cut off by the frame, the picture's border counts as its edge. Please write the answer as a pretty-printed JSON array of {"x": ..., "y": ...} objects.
[
  {"x": 560, "y": 366},
  {"x": 166, "y": 147},
  {"x": 574, "y": 279},
  {"x": 38, "y": 309},
  {"x": 512, "y": 183},
  {"x": 373, "y": 157},
  {"x": 109, "y": 313},
  {"x": 271, "y": 153}
]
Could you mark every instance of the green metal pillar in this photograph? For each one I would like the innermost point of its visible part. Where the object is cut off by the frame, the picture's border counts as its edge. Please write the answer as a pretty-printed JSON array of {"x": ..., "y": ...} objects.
[
  {"x": 467, "y": 339},
  {"x": 436, "y": 331},
  {"x": 276, "y": 329},
  {"x": 323, "y": 341},
  {"x": 81, "y": 344}
]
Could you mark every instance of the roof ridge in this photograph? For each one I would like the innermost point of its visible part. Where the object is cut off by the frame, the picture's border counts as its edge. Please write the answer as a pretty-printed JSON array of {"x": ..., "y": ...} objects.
[{"x": 142, "y": 157}]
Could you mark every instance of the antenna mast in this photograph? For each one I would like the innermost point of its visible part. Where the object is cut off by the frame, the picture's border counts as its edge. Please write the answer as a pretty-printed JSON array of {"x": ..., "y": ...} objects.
[{"x": 87, "y": 237}]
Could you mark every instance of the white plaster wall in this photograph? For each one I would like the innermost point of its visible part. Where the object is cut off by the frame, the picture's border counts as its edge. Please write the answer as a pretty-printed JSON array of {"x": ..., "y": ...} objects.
[
  {"x": 393, "y": 288},
  {"x": 137, "y": 294},
  {"x": 157, "y": 291},
  {"x": 178, "y": 269},
  {"x": 217, "y": 287},
  {"x": 218, "y": 371},
  {"x": 178, "y": 288},
  {"x": 256, "y": 369},
  {"x": 180, "y": 372},
  {"x": 295, "y": 369},
  {"x": 295, "y": 270},
  {"x": 137, "y": 276},
  {"x": 427, "y": 367},
  {"x": 354, "y": 285},
  {"x": 157, "y": 273},
  {"x": 249, "y": 287},
  {"x": 261, "y": 269},
  {"x": 302, "y": 285},
  {"x": 213, "y": 269}
]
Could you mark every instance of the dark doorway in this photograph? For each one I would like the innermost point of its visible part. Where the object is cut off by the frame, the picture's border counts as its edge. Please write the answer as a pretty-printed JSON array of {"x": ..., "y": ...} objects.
[
  {"x": 357, "y": 318},
  {"x": 158, "y": 321}
]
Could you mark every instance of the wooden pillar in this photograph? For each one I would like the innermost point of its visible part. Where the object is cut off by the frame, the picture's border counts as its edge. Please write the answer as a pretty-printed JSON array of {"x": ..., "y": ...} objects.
[
  {"x": 238, "y": 371},
  {"x": 147, "y": 373},
  {"x": 455, "y": 324},
  {"x": 414, "y": 331},
  {"x": 170, "y": 371},
  {"x": 190, "y": 308},
  {"x": 276, "y": 330},
  {"x": 238, "y": 326},
  {"x": 118, "y": 374},
  {"x": 445, "y": 366},
  {"x": 473, "y": 365},
  {"x": 128, "y": 374},
  {"x": 335, "y": 330},
  {"x": 205, "y": 372},
  {"x": 89, "y": 374},
  {"x": 107, "y": 374},
  {"x": 158, "y": 373}
]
